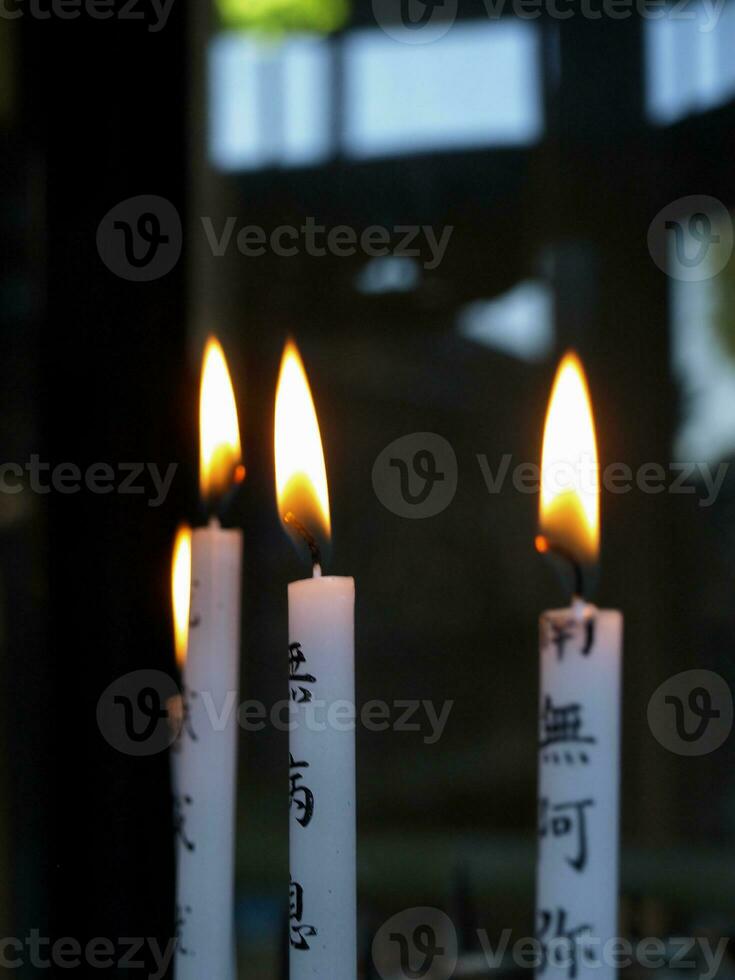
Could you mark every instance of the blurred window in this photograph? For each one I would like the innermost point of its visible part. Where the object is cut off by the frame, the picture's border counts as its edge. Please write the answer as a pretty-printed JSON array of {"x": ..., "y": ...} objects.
[
  {"x": 477, "y": 86},
  {"x": 703, "y": 357},
  {"x": 389, "y": 274},
  {"x": 519, "y": 323},
  {"x": 689, "y": 58},
  {"x": 269, "y": 101},
  {"x": 273, "y": 103}
]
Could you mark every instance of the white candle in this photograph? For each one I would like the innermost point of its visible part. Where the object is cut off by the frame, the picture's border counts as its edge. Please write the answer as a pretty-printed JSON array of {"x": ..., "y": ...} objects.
[
  {"x": 207, "y": 762},
  {"x": 322, "y": 779},
  {"x": 579, "y": 766},
  {"x": 579, "y": 712},
  {"x": 323, "y": 902},
  {"x": 207, "y": 759}
]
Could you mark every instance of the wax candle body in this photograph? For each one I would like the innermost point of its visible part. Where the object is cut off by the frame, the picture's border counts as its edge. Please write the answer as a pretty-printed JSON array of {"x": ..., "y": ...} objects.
[
  {"x": 322, "y": 780},
  {"x": 579, "y": 775},
  {"x": 206, "y": 762}
]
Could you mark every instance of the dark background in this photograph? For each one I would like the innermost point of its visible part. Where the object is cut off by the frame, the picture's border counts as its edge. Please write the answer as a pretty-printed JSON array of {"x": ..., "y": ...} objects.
[{"x": 94, "y": 368}]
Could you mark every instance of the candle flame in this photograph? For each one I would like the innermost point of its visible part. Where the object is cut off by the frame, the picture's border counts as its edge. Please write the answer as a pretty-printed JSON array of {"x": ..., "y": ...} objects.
[
  {"x": 181, "y": 592},
  {"x": 220, "y": 455},
  {"x": 570, "y": 491},
  {"x": 301, "y": 475}
]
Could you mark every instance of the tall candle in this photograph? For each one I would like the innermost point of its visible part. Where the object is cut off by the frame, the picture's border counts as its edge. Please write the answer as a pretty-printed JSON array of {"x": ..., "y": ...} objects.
[
  {"x": 323, "y": 902},
  {"x": 208, "y": 743},
  {"x": 579, "y": 713}
]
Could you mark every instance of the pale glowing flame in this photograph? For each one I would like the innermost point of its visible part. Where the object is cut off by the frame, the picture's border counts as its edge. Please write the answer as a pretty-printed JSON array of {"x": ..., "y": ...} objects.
[
  {"x": 220, "y": 455},
  {"x": 570, "y": 486},
  {"x": 181, "y": 591},
  {"x": 301, "y": 476}
]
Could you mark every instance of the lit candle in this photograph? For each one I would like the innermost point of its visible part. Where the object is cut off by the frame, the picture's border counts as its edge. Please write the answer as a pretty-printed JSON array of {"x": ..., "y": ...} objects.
[
  {"x": 208, "y": 742},
  {"x": 579, "y": 743},
  {"x": 322, "y": 691}
]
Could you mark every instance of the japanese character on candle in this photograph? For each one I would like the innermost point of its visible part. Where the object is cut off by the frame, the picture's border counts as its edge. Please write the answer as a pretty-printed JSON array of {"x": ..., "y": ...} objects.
[
  {"x": 186, "y": 722},
  {"x": 558, "y": 634},
  {"x": 566, "y": 820},
  {"x": 296, "y": 659},
  {"x": 301, "y": 797},
  {"x": 561, "y": 945},
  {"x": 299, "y": 932},
  {"x": 563, "y": 725},
  {"x": 182, "y": 913},
  {"x": 180, "y": 820}
]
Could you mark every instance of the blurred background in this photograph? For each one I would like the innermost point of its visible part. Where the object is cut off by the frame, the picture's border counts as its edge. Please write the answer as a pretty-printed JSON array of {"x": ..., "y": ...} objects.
[{"x": 550, "y": 146}]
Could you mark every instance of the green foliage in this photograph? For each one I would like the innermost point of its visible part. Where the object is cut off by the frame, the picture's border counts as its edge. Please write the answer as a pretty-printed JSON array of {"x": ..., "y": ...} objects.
[{"x": 277, "y": 17}]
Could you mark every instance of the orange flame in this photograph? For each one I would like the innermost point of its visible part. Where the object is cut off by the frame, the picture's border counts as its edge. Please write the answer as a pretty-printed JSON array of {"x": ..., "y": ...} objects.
[
  {"x": 301, "y": 475},
  {"x": 220, "y": 454},
  {"x": 181, "y": 592},
  {"x": 570, "y": 492}
]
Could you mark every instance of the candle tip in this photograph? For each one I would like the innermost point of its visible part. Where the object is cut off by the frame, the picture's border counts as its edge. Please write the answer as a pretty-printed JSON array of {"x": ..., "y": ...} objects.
[
  {"x": 579, "y": 608},
  {"x": 290, "y": 520}
]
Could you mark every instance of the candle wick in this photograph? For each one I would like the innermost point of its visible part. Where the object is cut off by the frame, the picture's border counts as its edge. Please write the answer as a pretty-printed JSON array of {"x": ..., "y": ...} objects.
[
  {"x": 316, "y": 556},
  {"x": 544, "y": 545},
  {"x": 578, "y": 582}
]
